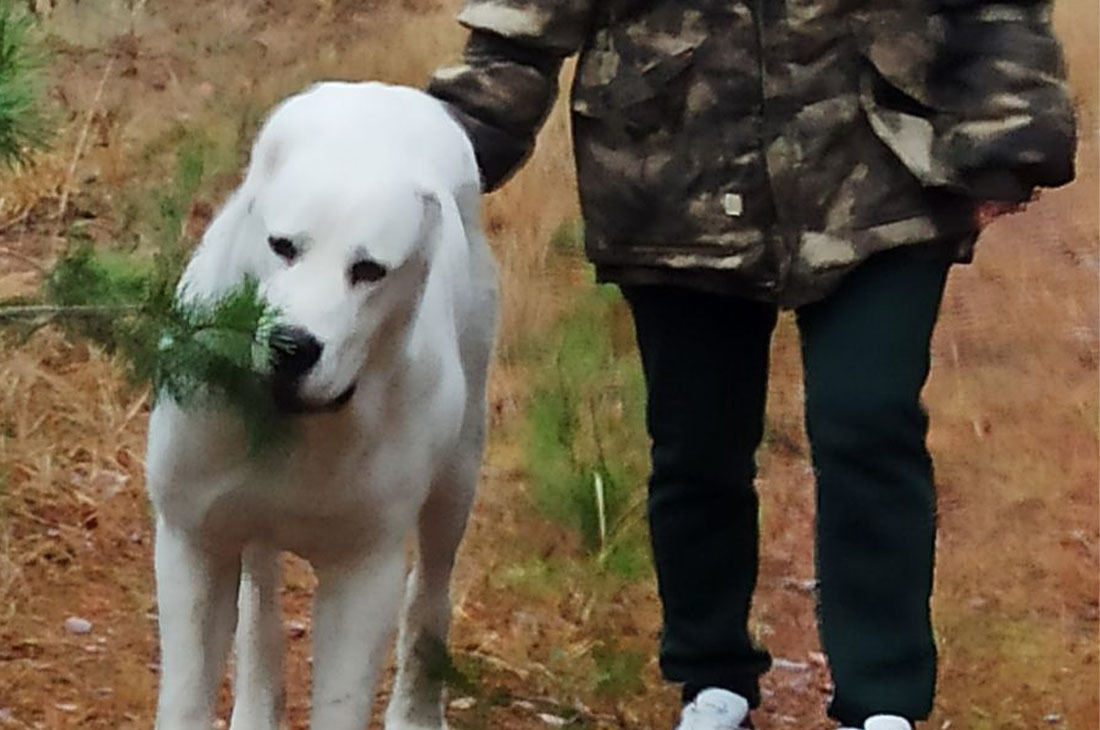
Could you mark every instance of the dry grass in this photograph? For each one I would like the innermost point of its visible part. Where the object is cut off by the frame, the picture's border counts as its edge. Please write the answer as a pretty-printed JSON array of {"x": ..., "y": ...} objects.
[{"x": 1013, "y": 400}]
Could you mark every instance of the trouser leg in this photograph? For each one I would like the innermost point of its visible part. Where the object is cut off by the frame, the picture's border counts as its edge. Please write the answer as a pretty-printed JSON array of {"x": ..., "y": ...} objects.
[
  {"x": 705, "y": 359},
  {"x": 866, "y": 359}
]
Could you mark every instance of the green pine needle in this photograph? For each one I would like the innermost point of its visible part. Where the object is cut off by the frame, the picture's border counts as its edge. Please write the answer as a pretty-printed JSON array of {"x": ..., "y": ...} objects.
[
  {"x": 213, "y": 354},
  {"x": 202, "y": 354},
  {"x": 23, "y": 125}
]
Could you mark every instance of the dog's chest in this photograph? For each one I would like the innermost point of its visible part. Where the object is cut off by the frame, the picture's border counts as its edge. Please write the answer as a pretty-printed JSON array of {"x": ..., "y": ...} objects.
[
  {"x": 330, "y": 489},
  {"x": 318, "y": 502}
]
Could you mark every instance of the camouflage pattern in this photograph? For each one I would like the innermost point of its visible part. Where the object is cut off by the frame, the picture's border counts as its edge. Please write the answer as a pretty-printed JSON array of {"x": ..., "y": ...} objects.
[{"x": 765, "y": 147}]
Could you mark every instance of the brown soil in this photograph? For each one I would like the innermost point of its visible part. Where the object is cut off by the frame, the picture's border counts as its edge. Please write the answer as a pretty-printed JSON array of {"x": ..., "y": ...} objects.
[{"x": 1013, "y": 400}]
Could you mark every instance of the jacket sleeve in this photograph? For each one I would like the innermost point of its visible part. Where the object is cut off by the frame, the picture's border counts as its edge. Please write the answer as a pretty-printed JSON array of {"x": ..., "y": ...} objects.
[
  {"x": 507, "y": 81},
  {"x": 1001, "y": 78}
]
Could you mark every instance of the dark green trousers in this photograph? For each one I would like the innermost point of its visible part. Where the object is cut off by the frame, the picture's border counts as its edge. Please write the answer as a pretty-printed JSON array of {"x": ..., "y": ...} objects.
[{"x": 866, "y": 358}]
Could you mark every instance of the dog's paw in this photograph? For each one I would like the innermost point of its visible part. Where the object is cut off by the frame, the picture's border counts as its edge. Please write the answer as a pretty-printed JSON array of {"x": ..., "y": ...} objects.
[
  {"x": 413, "y": 721},
  {"x": 405, "y": 725}
]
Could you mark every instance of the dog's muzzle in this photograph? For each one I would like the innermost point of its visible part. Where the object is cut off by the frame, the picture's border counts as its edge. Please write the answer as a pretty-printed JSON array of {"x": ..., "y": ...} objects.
[{"x": 296, "y": 351}]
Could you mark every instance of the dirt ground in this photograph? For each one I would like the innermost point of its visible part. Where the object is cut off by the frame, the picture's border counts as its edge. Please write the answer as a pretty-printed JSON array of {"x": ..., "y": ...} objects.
[{"x": 1013, "y": 403}]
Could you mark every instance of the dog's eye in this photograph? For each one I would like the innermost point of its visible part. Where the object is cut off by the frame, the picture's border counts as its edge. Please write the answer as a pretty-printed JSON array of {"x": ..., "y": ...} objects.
[
  {"x": 284, "y": 248},
  {"x": 366, "y": 270}
]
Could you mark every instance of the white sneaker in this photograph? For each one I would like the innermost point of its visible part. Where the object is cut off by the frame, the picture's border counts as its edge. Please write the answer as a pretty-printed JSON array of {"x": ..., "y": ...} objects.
[
  {"x": 714, "y": 709},
  {"x": 884, "y": 722}
]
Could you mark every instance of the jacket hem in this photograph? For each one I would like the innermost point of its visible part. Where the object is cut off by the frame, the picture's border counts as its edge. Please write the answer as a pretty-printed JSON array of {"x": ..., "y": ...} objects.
[{"x": 713, "y": 280}]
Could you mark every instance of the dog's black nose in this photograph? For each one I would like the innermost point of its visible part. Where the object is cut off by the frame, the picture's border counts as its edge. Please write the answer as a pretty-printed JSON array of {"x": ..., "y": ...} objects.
[{"x": 295, "y": 352}]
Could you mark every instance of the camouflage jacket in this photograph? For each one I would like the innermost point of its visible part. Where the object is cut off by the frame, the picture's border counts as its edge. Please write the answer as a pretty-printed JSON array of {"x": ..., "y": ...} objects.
[{"x": 765, "y": 147}]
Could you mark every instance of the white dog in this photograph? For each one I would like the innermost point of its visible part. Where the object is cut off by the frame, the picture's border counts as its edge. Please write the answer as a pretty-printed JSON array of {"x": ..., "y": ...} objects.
[{"x": 359, "y": 217}]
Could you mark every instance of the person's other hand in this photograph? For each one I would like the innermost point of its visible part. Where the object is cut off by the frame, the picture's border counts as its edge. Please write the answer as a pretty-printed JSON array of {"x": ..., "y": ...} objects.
[{"x": 988, "y": 211}]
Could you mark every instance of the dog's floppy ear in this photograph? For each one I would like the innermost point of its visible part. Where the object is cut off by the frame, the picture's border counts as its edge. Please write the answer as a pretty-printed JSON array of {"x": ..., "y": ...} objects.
[
  {"x": 440, "y": 222},
  {"x": 265, "y": 158},
  {"x": 268, "y": 157},
  {"x": 431, "y": 220},
  {"x": 429, "y": 231}
]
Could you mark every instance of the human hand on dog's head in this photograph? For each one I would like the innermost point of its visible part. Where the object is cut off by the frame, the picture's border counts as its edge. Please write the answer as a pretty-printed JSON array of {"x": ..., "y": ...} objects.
[{"x": 497, "y": 154}]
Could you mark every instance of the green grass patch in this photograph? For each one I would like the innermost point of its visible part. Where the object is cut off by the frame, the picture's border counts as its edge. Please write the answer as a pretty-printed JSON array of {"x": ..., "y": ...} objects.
[
  {"x": 568, "y": 238},
  {"x": 534, "y": 577},
  {"x": 180, "y": 170},
  {"x": 586, "y": 446},
  {"x": 618, "y": 670}
]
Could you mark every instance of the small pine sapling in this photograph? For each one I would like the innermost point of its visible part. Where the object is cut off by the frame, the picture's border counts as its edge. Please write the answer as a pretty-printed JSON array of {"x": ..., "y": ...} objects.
[
  {"x": 23, "y": 124},
  {"x": 201, "y": 353}
]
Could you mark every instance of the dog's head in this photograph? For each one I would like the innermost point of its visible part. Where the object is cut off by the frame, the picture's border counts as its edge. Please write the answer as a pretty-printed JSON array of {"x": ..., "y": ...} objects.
[{"x": 345, "y": 262}]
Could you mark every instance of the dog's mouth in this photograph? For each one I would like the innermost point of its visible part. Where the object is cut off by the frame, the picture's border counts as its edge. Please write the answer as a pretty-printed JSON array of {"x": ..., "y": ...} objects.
[{"x": 289, "y": 402}]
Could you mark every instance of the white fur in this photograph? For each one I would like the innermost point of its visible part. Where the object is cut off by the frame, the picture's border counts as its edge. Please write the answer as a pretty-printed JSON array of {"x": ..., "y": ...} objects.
[{"x": 345, "y": 171}]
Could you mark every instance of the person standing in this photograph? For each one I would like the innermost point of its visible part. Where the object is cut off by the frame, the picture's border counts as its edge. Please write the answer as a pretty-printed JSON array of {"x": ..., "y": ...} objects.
[{"x": 735, "y": 157}]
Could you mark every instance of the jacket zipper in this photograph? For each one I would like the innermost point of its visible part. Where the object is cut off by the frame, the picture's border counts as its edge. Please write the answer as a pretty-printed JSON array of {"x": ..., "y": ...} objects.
[{"x": 767, "y": 14}]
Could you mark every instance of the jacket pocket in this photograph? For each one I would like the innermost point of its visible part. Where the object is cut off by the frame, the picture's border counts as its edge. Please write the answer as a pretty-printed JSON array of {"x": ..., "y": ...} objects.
[
  {"x": 634, "y": 87},
  {"x": 895, "y": 99}
]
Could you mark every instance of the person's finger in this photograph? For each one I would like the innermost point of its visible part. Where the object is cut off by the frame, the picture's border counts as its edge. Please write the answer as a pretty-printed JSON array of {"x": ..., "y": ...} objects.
[{"x": 987, "y": 212}]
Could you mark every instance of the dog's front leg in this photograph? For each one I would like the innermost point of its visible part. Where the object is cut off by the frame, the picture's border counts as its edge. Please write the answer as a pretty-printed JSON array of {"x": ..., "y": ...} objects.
[
  {"x": 354, "y": 616},
  {"x": 197, "y": 604},
  {"x": 258, "y": 689},
  {"x": 422, "y": 656}
]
